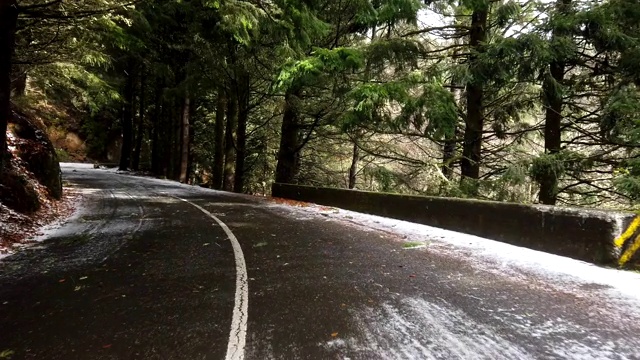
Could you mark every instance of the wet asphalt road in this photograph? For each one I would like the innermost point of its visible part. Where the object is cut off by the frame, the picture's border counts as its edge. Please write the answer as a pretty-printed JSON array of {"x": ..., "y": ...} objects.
[{"x": 140, "y": 274}]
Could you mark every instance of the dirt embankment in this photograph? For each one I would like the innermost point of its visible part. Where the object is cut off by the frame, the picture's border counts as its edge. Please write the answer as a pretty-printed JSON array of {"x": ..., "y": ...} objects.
[{"x": 31, "y": 189}]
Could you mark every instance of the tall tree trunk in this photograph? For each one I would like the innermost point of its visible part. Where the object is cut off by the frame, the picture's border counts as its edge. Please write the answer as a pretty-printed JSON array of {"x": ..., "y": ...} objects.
[
  {"x": 167, "y": 137},
  {"x": 353, "y": 170},
  {"x": 177, "y": 138},
  {"x": 229, "y": 141},
  {"x": 289, "y": 152},
  {"x": 190, "y": 165},
  {"x": 265, "y": 159},
  {"x": 451, "y": 140},
  {"x": 553, "y": 115},
  {"x": 135, "y": 163},
  {"x": 218, "y": 155},
  {"x": 155, "y": 147},
  {"x": 8, "y": 22},
  {"x": 472, "y": 147},
  {"x": 184, "y": 159},
  {"x": 127, "y": 119},
  {"x": 156, "y": 156},
  {"x": 448, "y": 154},
  {"x": 18, "y": 81},
  {"x": 241, "y": 138}
]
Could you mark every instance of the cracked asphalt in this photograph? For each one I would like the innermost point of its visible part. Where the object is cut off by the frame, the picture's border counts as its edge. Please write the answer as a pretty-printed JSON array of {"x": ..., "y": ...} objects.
[{"x": 139, "y": 274}]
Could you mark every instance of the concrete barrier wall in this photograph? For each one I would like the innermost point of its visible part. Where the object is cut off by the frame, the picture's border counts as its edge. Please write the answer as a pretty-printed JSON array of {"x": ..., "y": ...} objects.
[{"x": 577, "y": 233}]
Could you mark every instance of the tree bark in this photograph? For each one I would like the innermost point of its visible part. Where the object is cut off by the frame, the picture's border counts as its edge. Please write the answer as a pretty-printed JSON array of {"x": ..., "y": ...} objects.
[
  {"x": 448, "y": 154},
  {"x": 451, "y": 140},
  {"x": 229, "y": 142},
  {"x": 472, "y": 146},
  {"x": 553, "y": 114},
  {"x": 167, "y": 137},
  {"x": 18, "y": 81},
  {"x": 353, "y": 170},
  {"x": 218, "y": 155},
  {"x": 289, "y": 152},
  {"x": 135, "y": 163},
  {"x": 176, "y": 138},
  {"x": 184, "y": 159},
  {"x": 127, "y": 119},
  {"x": 8, "y": 22},
  {"x": 241, "y": 133},
  {"x": 156, "y": 164}
]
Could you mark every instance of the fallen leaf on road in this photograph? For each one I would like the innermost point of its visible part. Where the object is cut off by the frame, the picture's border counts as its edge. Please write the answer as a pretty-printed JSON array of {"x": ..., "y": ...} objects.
[
  {"x": 106, "y": 346},
  {"x": 84, "y": 278},
  {"x": 413, "y": 245},
  {"x": 261, "y": 244},
  {"x": 206, "y": 244},
  {"x": 6, "y": 354},
  {"x": 334, "y": 334},
  {"x": 62, "y": 280},
  {"x": 412, "y": 276}
]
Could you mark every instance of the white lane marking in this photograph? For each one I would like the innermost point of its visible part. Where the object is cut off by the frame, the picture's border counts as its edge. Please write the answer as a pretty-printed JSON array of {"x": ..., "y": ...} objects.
[{"x": 238, "y": 334}]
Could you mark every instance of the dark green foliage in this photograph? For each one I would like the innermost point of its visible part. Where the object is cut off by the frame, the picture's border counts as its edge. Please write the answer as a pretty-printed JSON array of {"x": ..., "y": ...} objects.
[{"x": 376, "y": 94}]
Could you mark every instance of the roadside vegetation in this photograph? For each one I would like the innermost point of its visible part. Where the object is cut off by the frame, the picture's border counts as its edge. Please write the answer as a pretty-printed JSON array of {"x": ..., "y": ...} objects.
[{"x": 524, "y": 101}]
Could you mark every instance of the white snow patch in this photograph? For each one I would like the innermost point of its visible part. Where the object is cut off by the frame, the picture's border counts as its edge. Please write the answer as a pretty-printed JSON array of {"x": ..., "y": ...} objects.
[
  {"x": 4, "y": 255},
  {"x": 72, "y": 166},
  {"x": 418, "y": 329},
  {"x": 11, "y": 140},
  {"x": 49, "y": 230}
]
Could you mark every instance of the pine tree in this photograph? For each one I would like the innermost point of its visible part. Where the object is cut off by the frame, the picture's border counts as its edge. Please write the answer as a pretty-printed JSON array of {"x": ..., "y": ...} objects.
[{"x": 8, "y": 23}]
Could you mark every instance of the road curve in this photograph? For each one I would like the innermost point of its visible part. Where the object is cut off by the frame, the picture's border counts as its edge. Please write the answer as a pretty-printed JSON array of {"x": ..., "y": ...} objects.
[{"x": 139, "y": 274}]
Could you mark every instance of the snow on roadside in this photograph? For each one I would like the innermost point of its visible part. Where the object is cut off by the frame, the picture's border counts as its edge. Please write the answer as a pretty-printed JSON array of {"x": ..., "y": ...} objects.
[
  {"x": 415, "y": 328},
  {"x": 418, "y": 329},
  {"x": 19, "y": 231},
  {"x": 490, "y": 255},
  {"x": 84, "y": 166},
  {"x": 9, "y": 224}
]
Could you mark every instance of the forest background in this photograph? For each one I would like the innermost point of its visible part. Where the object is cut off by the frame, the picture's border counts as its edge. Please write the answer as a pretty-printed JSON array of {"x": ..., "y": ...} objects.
[{"x": 521, "y": 101}]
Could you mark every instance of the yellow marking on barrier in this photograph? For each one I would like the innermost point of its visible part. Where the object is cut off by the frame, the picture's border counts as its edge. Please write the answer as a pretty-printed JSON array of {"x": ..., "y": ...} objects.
[
  {"x": 630, "y": 251},
  {"x": 635, "y": 224}
]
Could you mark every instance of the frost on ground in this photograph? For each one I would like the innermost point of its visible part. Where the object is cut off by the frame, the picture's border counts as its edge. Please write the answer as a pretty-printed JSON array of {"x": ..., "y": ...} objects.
[
  {"x": 418, "y": 329},
  {"x": 489, "y": 255},
  {"x": 21, "y": 230},
  {"x": 29, "y": 186},
  {"x": 563, "y": 273},
  {"x": 18, "y": 230},
  {"x": 76, "y": 166}
]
